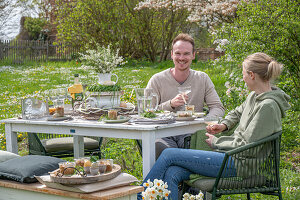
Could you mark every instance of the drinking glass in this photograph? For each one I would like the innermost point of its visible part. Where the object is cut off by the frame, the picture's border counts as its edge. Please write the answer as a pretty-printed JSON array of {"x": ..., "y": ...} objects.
[
  {"x": 62, "y": 93},
  {"x": 184, "y": 90},
  {"x": 33, "y": 108},
  {"x": 53, "y": 94},
  {"x": 59, "y": 106},
  {"x": 145, "y": 101},
  {"x": 210, "y": 121}
]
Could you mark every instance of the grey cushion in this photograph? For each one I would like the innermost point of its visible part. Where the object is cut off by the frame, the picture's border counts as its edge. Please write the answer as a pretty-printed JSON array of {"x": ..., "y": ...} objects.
[
  {"x": 23, "y": 169},
  {"x": 207, "y": 183},
  {"x": 6, "y": 155},
  {"x": 66, "y": 143}
]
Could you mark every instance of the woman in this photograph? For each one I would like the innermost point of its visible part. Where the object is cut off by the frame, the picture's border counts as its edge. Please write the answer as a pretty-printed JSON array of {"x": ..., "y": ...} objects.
[{"x": 258, "y": 117}]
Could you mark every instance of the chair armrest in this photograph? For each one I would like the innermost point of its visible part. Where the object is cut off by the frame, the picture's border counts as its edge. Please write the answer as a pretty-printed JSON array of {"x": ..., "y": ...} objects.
[
  {"x": 274, "y": 136},
  {"x": 187, "y": 142}
]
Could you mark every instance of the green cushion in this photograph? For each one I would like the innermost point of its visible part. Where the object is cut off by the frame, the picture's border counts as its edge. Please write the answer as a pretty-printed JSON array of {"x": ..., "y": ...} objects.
[
  {"x": 6, "y": 155},
  {"x": 66, "y": 143},
  {"x": 23, "y": 169}
]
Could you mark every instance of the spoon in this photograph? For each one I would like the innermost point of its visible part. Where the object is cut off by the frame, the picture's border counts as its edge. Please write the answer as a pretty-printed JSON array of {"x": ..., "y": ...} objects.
[{"x": 185, "y": 103}]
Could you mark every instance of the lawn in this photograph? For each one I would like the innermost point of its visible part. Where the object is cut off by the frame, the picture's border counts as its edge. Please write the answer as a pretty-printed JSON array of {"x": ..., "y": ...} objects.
[{"x": 33, "y": 79}]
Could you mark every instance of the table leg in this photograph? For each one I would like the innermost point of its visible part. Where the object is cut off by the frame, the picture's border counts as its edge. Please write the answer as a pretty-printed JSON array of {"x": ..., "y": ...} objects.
[
  {"x": 11, "y": 139},
  {"x": 148, "y": 145},
  {"x": 78, "y": 146}
]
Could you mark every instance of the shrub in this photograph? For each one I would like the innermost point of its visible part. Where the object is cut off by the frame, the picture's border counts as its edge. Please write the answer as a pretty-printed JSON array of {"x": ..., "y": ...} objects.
[
  {"x": 267, "y": 26},
  {"x": 34, "y": 26},
  {"x": 137, "y": 33}
]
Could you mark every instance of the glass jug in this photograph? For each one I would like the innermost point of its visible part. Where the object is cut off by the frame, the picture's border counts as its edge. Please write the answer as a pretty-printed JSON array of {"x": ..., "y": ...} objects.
[{"x": 145, "y": 100}]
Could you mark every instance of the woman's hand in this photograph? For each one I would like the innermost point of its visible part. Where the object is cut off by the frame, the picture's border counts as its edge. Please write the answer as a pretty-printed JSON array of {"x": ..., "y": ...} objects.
[
  {"x": 209, "y": 139},
  {"x": 216, "y": 128}
]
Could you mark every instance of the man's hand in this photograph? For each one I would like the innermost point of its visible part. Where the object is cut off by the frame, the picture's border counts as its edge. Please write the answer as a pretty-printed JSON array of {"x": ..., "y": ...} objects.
[
  {"x": 178, "y": 100},
  {"x": 216, "y": 128},
  {"x": 209, "y": 139}
]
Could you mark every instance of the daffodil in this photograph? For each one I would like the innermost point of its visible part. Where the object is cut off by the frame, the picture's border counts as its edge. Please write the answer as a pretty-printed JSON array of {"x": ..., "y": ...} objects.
[{"x": 155, "y": 190}]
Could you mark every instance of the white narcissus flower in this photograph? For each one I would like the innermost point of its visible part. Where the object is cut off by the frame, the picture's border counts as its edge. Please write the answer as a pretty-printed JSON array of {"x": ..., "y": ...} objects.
[
  {"x": 158, "y": 183},
  {"x": 155, "y": 190},
  {"x": 192, "y": 197},
  {"x": 148, "y": 183},
  {"x": 166, "y": 185},
  {"x": 186, "y": 196},
  {"x": 166, "y": 193}
]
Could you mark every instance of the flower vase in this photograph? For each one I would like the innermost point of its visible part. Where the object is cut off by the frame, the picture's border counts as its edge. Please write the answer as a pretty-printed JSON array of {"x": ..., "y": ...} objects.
[
  {"x": 105, "y": 79},
  {"x": 105, "y": 99}
]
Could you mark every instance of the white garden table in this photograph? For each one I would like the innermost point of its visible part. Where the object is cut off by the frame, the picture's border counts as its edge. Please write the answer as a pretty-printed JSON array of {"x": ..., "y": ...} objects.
[{"x": 79, "y": 128}]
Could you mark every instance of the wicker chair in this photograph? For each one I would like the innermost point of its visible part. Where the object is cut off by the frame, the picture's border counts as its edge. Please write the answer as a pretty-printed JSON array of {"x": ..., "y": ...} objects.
[
  {"x": 59, "y": 145},
  {"x": 257, "y": 171}
]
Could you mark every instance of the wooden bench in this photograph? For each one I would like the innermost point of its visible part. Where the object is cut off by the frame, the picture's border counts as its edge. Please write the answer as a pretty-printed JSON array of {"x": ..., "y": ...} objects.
[{"x": 21, "y": 191}]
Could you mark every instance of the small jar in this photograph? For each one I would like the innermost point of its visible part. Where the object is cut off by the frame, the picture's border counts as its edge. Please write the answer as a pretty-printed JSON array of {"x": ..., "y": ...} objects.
[
  {"x": 102, "y": 168},
  {"x": 190, "y": 108},
  {"x": 52, "y": 110},
  {"x": 87, "y": 165},
  {"x": 63, "y": 167},
  {"x": 112, "y": 114},
  {"x": 59, "y": 108},
  {"x": 94, "y": 169},
  {"x": 80, "y": 161},
  {"x": 108, "y": 163}
]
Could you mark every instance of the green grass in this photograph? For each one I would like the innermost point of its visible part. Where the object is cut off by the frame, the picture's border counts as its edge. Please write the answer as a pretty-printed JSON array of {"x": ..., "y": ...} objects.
[{"x": 32, "y": 79}]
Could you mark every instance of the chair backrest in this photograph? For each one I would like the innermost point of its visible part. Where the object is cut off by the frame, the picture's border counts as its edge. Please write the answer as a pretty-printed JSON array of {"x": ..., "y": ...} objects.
[
  {"x": 257, "y": 168},
  {"x": 36, "y": 147}
]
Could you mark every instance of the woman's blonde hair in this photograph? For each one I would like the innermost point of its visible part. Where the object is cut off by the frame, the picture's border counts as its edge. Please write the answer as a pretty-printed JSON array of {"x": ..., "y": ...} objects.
[{"x": 263, "y": 65}]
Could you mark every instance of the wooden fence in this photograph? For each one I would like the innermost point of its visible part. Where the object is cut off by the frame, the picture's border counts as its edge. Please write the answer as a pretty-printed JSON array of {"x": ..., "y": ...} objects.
[
  {"x": 19, "y": 51},
  {"x": 208, "y": 54}
]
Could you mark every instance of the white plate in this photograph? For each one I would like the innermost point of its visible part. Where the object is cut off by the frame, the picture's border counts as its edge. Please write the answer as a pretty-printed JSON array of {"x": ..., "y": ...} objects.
[
  {"x": 116, "y": 121},
  {"x": 185, "y": 118},
  {"x": 129, "y": 106},
  {"x": 199, "y": 114}
]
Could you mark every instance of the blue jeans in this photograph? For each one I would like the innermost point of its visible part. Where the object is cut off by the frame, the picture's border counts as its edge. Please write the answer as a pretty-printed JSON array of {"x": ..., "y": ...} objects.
[{"x": 175, "y": 165}]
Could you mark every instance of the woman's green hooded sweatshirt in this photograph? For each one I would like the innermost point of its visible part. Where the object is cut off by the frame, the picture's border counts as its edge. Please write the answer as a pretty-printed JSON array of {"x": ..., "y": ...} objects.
[{"x": 258, "y": 117}]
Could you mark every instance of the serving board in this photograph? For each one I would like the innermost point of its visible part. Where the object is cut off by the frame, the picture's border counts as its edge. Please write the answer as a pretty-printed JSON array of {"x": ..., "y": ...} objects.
[{"x": 74, "y": 180}]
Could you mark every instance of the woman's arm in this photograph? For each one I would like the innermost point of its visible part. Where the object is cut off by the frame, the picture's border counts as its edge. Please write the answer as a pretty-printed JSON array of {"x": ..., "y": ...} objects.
[
  {"x": 266, "y": 121},
  {"x": 234, "y": 116}
]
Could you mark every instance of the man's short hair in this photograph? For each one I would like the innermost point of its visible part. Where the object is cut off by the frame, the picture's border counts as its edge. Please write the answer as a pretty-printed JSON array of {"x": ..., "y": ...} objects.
[{"x": 184, "y": 37}]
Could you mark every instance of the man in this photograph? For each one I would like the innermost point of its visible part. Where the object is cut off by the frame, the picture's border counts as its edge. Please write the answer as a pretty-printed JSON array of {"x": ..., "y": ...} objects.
[{"x": 166, "y": 84}]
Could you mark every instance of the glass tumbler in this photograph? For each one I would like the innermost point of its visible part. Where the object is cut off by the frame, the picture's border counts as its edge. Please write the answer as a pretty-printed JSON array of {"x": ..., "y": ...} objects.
[{"x": 59, "y": 106}]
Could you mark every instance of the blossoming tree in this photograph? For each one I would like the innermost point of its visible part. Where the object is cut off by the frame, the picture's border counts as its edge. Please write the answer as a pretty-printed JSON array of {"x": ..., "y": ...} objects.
[{"x": 205, "y": 12}]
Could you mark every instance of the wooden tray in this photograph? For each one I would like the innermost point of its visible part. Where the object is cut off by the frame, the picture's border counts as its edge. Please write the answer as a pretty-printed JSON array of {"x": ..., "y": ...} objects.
[{"x": 88, "y": 179}]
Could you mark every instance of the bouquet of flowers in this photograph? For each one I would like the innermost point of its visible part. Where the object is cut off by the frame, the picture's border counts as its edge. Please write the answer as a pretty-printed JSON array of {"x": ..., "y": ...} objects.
[
  {"x": 155, "y": 190},
  {"x": 102, "y": 60}
]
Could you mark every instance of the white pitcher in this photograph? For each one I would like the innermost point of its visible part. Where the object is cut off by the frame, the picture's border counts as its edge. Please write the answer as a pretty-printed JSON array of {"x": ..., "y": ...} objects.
[{"x": 105, "y": 79}]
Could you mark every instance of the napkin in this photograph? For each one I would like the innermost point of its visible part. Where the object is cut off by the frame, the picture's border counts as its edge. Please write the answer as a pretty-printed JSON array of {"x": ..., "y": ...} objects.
[
  {"x": 121, "y": 180},
  {"x": 168, "y": 120}
]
